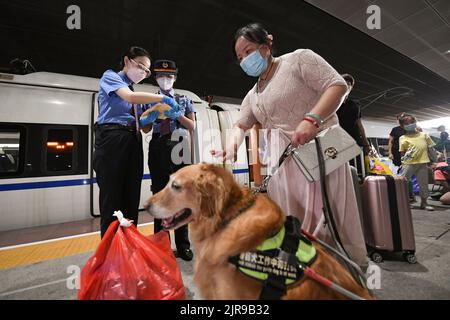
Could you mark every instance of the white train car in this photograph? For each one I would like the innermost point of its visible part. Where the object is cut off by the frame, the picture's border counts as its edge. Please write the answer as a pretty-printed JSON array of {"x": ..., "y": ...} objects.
[
  {"x": 207, "y": 135},
  {"x": 240, "y": 168},
  {"x": 225, "y": 106},
  {"x": 228, "y": 115},
  {"x": 46, "y": 147}
]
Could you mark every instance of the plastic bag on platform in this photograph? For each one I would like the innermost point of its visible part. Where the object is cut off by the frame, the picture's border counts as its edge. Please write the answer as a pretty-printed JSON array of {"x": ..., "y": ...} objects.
[{"x": 129, "y": 266}]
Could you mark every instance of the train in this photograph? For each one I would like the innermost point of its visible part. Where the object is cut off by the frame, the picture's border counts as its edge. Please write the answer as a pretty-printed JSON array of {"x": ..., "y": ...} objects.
[{"x": 47, "y": 144}]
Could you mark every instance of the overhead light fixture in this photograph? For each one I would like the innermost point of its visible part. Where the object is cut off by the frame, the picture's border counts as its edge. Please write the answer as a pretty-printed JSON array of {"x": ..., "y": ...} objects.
[{"x": 447, "y": 52}]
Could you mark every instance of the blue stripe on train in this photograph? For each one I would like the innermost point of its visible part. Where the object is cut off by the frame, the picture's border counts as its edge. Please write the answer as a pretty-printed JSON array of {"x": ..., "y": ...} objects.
[
  {"x": 68, "y": 183},
  {"x": 44, "y": 184}
]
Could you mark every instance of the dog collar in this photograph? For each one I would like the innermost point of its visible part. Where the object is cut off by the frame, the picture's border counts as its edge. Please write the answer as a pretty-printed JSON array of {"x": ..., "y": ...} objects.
[{"x": 244, "y": 208}]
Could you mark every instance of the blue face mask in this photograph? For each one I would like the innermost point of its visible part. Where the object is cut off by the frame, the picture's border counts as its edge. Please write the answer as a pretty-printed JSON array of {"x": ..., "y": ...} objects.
[
  {"x": 410, "y": 127},
  {"x": 254, "y": 64}
]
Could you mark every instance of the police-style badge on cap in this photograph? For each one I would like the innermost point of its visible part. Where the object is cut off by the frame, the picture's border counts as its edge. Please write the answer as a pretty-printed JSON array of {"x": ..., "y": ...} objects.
[{"x": 167, "y": 67}]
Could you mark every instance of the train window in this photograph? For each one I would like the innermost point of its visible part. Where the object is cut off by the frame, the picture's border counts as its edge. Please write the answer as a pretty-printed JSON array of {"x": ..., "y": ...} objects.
[
  {"x": 380, "y": 145},
  {"x": 383, "y": 147},
  {"x": 60, "y": 149},
  {"x": 9, "y": 151}
]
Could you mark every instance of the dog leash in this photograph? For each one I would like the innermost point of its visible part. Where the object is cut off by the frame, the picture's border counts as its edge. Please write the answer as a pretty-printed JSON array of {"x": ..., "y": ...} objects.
[
  {"x": 263, "y": 187},
  {"x": 310, "y": 273},
  {"x": 353, "y": 268}
]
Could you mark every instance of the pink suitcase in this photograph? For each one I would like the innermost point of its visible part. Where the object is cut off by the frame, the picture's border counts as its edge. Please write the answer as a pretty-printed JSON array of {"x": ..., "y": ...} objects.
[{"x": 387, "y": 219}]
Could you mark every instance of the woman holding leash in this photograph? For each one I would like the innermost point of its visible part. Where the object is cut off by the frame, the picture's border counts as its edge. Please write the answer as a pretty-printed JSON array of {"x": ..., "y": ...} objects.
[{"x": 296, "y": 95}]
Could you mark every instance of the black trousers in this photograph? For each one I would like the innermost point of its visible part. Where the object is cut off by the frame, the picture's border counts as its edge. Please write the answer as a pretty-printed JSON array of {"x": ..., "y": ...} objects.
[
  {"x": 118, "y": 164},
  {"x": 161, "y": 166}
]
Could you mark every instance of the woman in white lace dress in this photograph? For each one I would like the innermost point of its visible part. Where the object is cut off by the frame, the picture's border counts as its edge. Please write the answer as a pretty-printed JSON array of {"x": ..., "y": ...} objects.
[{"x": 296, "y": 96}]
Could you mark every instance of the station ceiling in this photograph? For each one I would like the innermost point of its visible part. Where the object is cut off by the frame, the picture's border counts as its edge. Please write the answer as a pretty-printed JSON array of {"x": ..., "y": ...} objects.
[{"x": 404, "y": 66}]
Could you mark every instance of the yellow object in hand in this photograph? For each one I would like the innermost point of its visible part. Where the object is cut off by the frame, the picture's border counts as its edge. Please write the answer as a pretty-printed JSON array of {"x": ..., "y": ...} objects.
[{"x": 161, "y": 108}]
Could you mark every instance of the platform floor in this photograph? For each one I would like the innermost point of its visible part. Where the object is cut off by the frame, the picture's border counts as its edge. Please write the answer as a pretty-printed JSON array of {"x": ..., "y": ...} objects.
[{"x": 39, "y": 270}]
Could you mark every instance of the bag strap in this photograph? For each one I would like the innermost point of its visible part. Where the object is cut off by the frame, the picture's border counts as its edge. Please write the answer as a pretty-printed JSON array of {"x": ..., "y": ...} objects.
[
  {"x": 327, "y": 211},
  {"x": 354, "y": 270}
]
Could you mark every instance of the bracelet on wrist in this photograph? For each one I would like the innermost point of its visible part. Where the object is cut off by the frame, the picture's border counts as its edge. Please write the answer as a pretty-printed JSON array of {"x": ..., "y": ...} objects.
[
  {"x": 311, "y": 120},
  {"x": 316, "y": 117}
]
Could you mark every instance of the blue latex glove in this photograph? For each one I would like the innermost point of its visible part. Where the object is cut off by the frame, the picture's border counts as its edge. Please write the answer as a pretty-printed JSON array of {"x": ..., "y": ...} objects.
[
  {"x": 172, "y": 114},
  {"x": 171, "y": 102},
  {"x": 150, "y": 118}
]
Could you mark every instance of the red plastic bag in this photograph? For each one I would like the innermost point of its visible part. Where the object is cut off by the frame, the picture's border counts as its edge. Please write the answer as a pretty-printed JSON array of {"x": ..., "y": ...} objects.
[{"x": 129, "y": 266}]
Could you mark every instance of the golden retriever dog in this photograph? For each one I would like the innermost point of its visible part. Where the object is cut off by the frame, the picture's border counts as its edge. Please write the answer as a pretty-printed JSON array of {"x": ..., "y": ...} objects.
[{"x": 223, "y": 224}]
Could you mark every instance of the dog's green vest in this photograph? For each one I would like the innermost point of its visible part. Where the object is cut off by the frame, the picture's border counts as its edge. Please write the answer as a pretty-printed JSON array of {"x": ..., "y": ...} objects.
[{"x": 275, "y": 256}]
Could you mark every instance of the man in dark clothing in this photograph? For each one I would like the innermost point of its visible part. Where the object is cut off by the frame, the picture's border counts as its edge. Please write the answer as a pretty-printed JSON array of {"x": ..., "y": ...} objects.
[
  {"x": 394, "y": 152},
  {"x": 443, "y": 144},
  {"x": 394, "y": 136},
  {"x": 349, "y": 115}
]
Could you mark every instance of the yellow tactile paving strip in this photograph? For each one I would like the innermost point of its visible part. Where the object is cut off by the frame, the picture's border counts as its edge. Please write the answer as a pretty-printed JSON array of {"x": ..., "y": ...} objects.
[{"x": 39, "y": 252}]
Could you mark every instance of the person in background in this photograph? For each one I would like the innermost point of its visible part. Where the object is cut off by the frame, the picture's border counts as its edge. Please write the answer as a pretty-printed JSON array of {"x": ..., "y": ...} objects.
[
  {"x": 441, "y": 173},
  {"x": 349, "y": 115},
  {"x": 393, "y": 145},
  {"x": 161, "y": 154},
  {"x": 414, "y": 150},
  {"x": 118, "y": 155},
  {"x": 442, "y": 143},
  {"x": 296, "y": 96}
]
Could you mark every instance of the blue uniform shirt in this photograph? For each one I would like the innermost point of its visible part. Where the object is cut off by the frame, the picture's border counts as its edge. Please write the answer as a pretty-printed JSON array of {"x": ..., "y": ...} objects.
[
  {"x": 112, "y": 108},
  {"x": 186, "y": 107}
]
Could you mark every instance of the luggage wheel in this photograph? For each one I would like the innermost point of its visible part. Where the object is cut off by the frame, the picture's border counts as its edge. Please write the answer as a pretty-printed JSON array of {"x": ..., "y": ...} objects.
[
  {"x": 410, "y": 257},
  {"x": 376, "y": 257}
]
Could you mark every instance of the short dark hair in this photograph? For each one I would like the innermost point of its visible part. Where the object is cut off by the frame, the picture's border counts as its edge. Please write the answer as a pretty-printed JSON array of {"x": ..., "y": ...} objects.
[
  {"x": 349, "y": 78},
  {"x": 405, "y": 117},
  {"x": 400, "y": 115},
  {"x": 254, "y": 32},
  {"x": 134, "y": 52}
]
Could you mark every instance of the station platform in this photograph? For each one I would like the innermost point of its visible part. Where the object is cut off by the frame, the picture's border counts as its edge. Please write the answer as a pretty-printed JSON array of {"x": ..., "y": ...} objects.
[{"x": 34, "y": 262}]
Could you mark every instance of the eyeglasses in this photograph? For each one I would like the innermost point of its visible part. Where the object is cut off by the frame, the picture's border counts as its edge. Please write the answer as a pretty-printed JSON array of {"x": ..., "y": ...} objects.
[{"x": 144, "y": 68}]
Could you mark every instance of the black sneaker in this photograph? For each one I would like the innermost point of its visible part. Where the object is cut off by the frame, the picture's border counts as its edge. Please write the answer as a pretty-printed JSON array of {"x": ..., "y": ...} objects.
[{"x": 185, "y": 254}]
